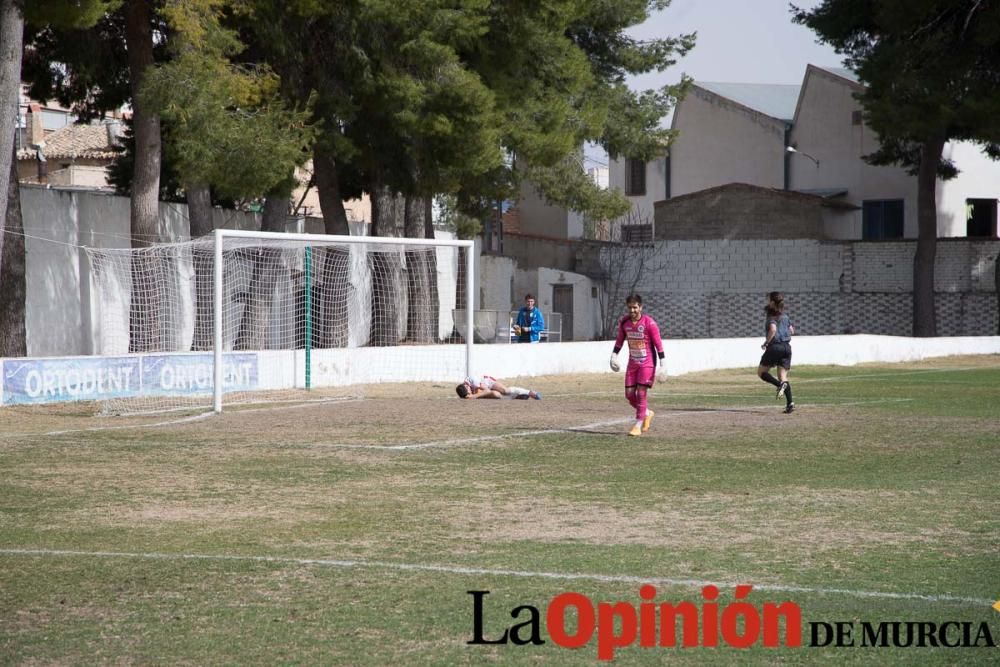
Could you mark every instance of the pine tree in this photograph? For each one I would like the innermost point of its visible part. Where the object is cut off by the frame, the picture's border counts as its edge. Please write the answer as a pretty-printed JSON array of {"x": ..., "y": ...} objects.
[{"x": 932, "y": 74}]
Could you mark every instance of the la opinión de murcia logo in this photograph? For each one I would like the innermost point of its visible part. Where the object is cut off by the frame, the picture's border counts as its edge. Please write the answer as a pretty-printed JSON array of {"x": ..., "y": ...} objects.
[
  {"x": 571, "y": 620},
  {"x": 901, "y": 634},
  {"x": 620, "y": 624}
]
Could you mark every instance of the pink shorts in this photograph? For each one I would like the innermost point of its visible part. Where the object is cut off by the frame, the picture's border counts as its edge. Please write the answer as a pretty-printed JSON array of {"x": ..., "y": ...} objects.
[{"x": 636, "y": 375}]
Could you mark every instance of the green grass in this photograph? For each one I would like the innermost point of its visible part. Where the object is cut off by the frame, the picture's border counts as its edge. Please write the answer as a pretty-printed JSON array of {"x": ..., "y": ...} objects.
[{"x": 226, "y": 540}]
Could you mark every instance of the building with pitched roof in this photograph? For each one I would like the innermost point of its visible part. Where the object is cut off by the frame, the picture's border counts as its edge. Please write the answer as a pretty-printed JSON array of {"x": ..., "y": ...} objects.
[
  {"x": 72, "y": 155},
  {"x": 809, "y": 138}
]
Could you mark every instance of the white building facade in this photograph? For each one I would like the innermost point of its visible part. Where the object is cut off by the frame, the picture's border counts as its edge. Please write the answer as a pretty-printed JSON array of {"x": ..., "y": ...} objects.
[{"x": 742, "y": 133}]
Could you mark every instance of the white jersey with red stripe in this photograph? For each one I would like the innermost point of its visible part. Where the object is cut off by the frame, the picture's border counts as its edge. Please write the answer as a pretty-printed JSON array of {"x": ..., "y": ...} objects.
[{"x": 482, "y": 382}]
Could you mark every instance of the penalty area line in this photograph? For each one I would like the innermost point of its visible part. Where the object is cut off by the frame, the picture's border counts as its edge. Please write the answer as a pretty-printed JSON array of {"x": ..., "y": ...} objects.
[
  {"x": 497, "y": 572},
  {"x": 170, "y": 422},
  {"x": 483, "y": 438},
  {"x": 197, "y": 417}
]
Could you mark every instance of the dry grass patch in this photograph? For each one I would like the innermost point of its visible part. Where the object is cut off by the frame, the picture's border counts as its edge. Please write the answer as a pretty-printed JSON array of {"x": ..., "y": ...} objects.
[{"x": 807, "y": 521}]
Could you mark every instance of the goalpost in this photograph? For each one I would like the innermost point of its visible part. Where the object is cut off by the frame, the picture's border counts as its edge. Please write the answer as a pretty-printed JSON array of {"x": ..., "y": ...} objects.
[{"x": 260, "y": 316}]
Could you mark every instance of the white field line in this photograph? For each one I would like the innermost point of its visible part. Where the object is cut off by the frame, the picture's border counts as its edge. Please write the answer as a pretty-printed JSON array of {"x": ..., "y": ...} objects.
[
  {"x": 844, "y": 378},
  {"x": 764, "y": 408},
  {"x": 455, "y": 441},
  {"x": 491, "y": 572},
  {"x": 191, "y": 418},
  {"x": 878, "y": 400},
  {"x": 298, "y": 403},
  {"x": 458, "y": 442},
  {"x": 833, "y": 378},
  {"x": 308, "y": 403},
  {"x": 171, "y": 422},
  {"x": 483, "y": 438}
]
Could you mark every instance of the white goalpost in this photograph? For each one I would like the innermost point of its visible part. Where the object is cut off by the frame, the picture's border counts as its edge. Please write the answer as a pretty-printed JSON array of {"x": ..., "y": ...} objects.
[{"x": 260, "y": 316}]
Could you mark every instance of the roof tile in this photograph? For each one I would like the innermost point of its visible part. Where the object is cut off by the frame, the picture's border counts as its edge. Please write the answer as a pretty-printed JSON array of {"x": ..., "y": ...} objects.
[{"x": 76, "y": 142}]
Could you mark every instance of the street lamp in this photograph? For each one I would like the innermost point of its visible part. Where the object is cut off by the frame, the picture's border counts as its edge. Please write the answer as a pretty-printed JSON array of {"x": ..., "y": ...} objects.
[{"x": 793, "y": 149}]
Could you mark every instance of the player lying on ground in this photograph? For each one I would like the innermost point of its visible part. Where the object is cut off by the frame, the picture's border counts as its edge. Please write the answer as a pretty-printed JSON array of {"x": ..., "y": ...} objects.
[{"x": 485, "y": 386}]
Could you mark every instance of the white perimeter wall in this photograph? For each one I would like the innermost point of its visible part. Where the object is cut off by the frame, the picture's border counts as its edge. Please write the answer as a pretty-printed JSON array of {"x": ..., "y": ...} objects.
[
  {"x": 693, "y": 355},
  {"x": 61, "y": 317},
  {"x": 447, "y": 363}
]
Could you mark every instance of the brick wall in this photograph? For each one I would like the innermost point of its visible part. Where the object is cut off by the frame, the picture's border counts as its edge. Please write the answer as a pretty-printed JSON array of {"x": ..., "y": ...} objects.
[
  {"x": 716, "y": 288},
  {"x": 533, "y": 252}
]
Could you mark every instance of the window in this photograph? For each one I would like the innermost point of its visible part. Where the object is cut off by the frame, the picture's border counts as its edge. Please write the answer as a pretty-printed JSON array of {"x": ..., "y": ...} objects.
[
  {"x": 666, "y": 173},
  {"x": 637, "y": 233},
  {"x": 635, "y": 177},
  {"x": 856, "y": 117},
  {"x": 493, "y": 233},
  {"x": 882, "y": 219},
  {"x": 981, "y": 217}
]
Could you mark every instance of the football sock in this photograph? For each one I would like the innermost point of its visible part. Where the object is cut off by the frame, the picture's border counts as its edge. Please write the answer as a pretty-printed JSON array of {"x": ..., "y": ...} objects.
[
  {"x": 632, "y": 399},
  {"x": 770, "y": 379},
  {"x": 640, "y": 405},
  {"x": 788, "y": 393}
]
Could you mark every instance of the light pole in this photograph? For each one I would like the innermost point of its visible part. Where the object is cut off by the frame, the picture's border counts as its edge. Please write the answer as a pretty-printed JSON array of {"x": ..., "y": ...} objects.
[{"x": 793, "y": 149}]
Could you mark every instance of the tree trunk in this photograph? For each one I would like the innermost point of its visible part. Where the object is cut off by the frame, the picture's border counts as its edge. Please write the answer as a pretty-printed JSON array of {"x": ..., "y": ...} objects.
[
  {"x": 328, "y": 186},
  {"x": 384, "y": 266},
  {"x": 332, "y": 288},
  {"x": 924, "y": 322},
  {"x": 199, "y": 201},
  {"x": 13, "y": 340},
  {"x": 144, "y": 208},
  {"x": 256, "y": 321},
  {"x": 388, "y": 210},
  {"x": 146, "y": 126},
  {"x": 434, "y": 308},
  {"x": 11, "y": 47},
  {"x": 421, "y": 272}
]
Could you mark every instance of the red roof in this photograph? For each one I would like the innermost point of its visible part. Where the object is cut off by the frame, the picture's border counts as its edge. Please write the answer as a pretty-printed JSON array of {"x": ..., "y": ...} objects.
[{"x": 94, "y": 142}]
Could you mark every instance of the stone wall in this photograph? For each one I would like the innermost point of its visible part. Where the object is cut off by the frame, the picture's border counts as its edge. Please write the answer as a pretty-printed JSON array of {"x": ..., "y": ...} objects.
[
  {"x": 716, "y": 289},
  {"x": 534, "y": 252},
  {"x": 742, "y": 211}
]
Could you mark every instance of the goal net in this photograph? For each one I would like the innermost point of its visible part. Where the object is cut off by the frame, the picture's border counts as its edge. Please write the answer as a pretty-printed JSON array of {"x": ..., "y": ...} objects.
[{"x": 257, "y": 316}]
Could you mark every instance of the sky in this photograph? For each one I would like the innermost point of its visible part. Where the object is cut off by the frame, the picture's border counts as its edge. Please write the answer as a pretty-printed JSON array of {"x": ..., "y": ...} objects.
[{"x": 739, "y": 41}]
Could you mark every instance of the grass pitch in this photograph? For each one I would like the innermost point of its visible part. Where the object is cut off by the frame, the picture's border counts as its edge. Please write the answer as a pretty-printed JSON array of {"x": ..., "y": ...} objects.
[{"x": 351, "y": 532}]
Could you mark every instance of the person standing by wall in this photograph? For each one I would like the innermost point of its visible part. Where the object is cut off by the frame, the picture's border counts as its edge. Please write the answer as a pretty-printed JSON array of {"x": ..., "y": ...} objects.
[
  {"x": 777, "y": 348},
  {"x": 643, "y": 336},
  {"x": 530, "y": 322}
]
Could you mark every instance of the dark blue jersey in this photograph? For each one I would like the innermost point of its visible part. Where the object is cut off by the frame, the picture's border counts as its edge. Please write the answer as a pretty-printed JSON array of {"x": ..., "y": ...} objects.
[{"x": 782, "y": 325}]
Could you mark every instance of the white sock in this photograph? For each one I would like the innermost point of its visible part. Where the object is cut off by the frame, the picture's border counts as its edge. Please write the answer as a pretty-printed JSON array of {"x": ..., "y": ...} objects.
[
  {"x": 638, "y": 423},
  {"x": 514, "y": 392}
]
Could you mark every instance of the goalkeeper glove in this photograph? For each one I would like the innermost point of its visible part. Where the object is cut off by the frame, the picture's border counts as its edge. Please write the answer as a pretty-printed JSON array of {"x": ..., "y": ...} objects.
[{"x": 614, "y": 363}]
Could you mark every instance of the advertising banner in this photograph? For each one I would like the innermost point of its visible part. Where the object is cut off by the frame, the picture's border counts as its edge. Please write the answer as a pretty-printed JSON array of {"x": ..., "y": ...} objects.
[{"x": 33, "y": 381}]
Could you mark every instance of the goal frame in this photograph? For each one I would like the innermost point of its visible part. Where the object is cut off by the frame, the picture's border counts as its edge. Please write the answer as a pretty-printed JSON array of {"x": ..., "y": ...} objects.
[{"x": 222, "y": 234}]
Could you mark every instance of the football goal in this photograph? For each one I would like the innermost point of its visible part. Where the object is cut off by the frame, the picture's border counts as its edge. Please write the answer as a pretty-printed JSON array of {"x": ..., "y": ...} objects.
[{"x": 260, "y": 316}]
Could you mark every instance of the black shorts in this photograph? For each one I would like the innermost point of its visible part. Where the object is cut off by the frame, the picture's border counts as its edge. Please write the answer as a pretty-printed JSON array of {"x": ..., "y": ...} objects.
[{"x": 777, "y": 354}]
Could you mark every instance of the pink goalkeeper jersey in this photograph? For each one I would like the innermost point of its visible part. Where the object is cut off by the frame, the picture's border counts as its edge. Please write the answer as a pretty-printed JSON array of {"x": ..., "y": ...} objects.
[{"x": 642, "y": 336}]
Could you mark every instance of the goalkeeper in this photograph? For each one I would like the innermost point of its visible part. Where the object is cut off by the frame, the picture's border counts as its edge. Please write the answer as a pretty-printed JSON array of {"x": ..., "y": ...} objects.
[
  {"x": 645, "y": 347},
  {"x": 485, "y": 386}
]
